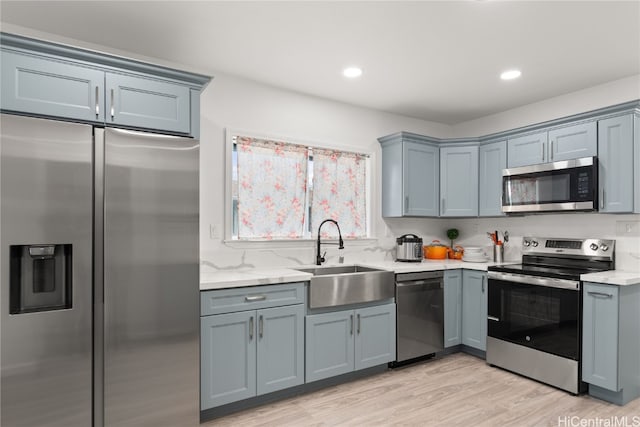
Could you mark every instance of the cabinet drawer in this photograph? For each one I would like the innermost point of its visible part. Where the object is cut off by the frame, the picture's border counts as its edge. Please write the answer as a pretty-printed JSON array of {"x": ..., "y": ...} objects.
[{"x": 250, "y": 298}]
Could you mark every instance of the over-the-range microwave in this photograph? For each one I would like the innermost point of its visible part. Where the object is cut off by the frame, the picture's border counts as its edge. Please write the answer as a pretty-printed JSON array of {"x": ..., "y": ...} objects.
[{"x": 569, "y": 185}]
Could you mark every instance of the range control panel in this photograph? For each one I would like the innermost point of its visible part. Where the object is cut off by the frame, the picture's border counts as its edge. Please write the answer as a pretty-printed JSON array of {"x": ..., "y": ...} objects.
[{"x": 575, "y": 247}]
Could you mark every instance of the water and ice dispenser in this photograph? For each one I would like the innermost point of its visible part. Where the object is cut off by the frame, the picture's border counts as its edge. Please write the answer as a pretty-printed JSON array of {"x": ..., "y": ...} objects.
[{"x": 41, "y": 278}]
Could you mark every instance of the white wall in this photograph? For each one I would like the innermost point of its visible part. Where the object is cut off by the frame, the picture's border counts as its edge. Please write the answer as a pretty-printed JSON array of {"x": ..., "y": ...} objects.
[
  {"x": 611, "y": 93},
  {"x": 235, "y": 103}
]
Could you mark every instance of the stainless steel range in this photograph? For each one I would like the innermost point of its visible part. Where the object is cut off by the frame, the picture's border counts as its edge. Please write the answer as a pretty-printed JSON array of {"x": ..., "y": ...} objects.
[{"x": 535, "y": 309}]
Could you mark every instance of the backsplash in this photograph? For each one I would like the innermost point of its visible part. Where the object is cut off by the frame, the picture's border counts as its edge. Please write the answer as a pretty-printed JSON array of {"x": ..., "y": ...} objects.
[{"x": 472, "y": 233}]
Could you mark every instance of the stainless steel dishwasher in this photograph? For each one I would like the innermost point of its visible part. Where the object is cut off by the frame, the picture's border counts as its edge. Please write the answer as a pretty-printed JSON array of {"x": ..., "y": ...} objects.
[{"x": 420, "y": 314}]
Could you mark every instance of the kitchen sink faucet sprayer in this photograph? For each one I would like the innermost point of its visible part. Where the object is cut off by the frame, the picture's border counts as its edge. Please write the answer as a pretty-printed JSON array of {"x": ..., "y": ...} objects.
[{"x": 320, "y": 258}]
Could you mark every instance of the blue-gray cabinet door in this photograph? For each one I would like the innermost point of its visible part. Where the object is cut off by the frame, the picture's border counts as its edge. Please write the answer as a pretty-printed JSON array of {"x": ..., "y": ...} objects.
[
  {"x": 636, "y": 162},
  {"x": 43, "y": 86},
  {"x": 375, "y": 342},
  {"x": 452, "y": 307},
  {"x": 573, "y": 142},
  {"x": 227, "y": 358},
  {"x": 459, "y": 181},
  {"x": 527, "y": 150},
  {"x": 615, "y": 164},
  {"x": 474, "y": 309},
  {"x": 280, "y": 348},
  {"x": 420, "y": 179},
  {"x": 600, "y": 336},
  {"x": 147, "y": 103},
  {"x": 493, "y": 159},
  {"x": 329, "y": 349}
]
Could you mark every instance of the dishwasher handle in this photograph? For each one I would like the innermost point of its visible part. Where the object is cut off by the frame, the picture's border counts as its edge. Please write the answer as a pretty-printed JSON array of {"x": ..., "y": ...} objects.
[{"x": 427, "y": 284}]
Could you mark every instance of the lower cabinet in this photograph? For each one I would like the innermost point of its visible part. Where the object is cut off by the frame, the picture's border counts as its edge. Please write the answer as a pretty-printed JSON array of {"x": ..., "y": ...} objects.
[
  {"x": 474, "y": 309},
  {"x": 250, "y": 353},
  {"x": 452, "y": 308},
  {"x": 611, "y": 341},
  {"x": 344, "y": 341}
]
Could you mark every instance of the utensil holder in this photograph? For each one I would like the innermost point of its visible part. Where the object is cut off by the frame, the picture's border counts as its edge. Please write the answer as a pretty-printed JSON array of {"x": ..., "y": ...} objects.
[{"x": 498, "y": 253}]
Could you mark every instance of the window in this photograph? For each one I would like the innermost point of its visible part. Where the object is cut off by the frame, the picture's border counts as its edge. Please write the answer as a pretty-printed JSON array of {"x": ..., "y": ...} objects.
[{"x": 284, "y": 191}]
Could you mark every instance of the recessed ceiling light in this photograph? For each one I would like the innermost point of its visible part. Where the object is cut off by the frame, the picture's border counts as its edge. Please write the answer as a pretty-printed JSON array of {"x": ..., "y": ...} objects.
[
  {"x": 510, "y": 74},
  {"x": 352, "y": 72}
]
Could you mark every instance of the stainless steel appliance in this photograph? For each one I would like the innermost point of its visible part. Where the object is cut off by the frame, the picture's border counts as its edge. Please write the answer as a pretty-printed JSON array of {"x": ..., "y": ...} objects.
[
  {"x": 409, "y": 248},
  {"x": 570, "y": 185},
  {"x": 420, "y": 314},
  {"x": 535, "y": 309},
  {"x": 99, "y": 296}
]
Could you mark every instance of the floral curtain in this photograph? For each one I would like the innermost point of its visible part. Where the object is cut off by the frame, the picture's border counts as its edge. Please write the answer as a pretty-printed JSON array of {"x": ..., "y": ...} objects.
[
  {"x": 339, "y": 185},
  {"x": 272, "y": 186}
]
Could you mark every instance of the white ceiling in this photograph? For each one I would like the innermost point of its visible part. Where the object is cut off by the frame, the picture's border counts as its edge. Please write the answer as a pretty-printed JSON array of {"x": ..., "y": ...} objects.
[{"x": 438, "y": 61}]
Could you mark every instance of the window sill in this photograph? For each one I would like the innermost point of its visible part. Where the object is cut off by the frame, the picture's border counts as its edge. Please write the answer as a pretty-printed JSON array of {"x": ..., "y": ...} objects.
[{"x": 294, "y": 243}]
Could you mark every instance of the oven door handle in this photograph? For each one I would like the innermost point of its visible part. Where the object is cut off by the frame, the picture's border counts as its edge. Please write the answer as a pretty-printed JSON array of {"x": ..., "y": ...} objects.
[{"x": 571, "y": 285}]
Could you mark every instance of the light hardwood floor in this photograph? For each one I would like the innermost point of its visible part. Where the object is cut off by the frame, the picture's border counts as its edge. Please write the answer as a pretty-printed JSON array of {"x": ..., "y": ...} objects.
[{"x": 458, "y": 390}]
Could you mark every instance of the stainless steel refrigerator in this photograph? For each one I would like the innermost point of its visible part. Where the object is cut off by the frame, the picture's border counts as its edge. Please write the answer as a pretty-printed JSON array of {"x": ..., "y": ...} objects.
[{"x": 99, "y": 269}]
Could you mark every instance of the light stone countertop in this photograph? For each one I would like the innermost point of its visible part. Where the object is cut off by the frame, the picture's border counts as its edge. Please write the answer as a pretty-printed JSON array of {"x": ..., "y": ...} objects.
[
  {"x": 250, "y": 277},
  {"x": 262, "y": 276},
  {"x": 613, "y": 277}
]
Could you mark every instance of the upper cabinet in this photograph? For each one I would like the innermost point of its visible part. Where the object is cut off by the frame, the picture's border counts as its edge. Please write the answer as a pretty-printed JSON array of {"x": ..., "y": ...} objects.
[
  {"x": 527, "y": 150},
  {"x": 149, "y": 103},
  {"x": 43, "y": 79},
  {"x": 459, "y": 181},
  {"x": 425, "y": 176},
  {"x": 410, "y": 185},
  {"x": 564, "y": 143},
  {"x": 51, "y": 88},
  {"x": 615, "y": 164},
  {"x": 493, "y": 159},
  {"x": 573, "y": 142}
]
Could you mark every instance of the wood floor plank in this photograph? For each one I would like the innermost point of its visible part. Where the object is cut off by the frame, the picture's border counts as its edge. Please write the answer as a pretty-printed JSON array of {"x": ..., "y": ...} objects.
[{"x": 457, "y": 390}]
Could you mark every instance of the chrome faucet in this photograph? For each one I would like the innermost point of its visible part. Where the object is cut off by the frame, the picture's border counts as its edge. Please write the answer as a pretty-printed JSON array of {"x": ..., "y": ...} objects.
[{"x": 320, "y": 258}]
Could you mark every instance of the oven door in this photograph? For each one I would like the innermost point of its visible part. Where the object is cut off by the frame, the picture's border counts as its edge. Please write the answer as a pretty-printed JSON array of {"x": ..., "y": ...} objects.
[
  {"x": 540, "y": 313},
  {"x": 558, "y": 186}
]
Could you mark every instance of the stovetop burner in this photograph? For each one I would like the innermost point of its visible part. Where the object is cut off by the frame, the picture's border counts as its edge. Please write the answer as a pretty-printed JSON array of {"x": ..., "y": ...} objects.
[{"x": 545, "y": 271}]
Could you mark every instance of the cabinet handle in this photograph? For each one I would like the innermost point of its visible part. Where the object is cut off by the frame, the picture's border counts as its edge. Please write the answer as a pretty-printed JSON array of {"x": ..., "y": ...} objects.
[
  {"x": 551, "y": 153},
  {"x": 483, "y": 284},
  {"x": 255, "y": 298},
  {"x": 406, "y": 204},
  {"x": 261, "y": 326},
  {"x": 97, "y": 102},
  {"x": 352, "y": 324},
  {"x": 442, "y": 204},
  {"x": 113, "y": 110},
  {"x": 542, "y": 146},
  {"x": 600, "y": 294},
  {"x": 251, "y": 328},
  {"x": 602, "y": 198},
  {"x": 358, "y": 324}
]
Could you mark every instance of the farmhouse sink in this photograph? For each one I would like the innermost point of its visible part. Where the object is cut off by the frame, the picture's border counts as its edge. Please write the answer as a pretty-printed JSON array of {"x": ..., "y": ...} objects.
[{"x": 348, "y": 284}]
